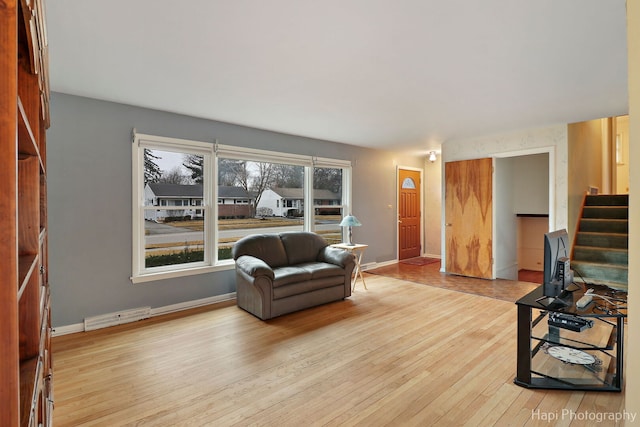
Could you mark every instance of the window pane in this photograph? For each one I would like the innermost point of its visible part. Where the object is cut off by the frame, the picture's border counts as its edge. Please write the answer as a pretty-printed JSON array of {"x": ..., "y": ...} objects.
[
  {"x": 172, "y": 178},
  {"x": 174, "y": 235},
  {"x": 328, "y": 226},
  {"x": 275, "y": 200},
  {"x": 408, "y": 183},
  {"x": 169, "y": 223},
  {"x": 327, "y": 202},
  {"x": 174, "y": 241}
]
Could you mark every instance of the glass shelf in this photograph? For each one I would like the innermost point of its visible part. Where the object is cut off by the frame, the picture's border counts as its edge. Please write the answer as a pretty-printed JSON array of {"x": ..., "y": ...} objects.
[{"x": 599, "y": 344}]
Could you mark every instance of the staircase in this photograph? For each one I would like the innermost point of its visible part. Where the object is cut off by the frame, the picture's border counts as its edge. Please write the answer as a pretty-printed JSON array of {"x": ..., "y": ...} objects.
[{"x": 600, "y": 252}]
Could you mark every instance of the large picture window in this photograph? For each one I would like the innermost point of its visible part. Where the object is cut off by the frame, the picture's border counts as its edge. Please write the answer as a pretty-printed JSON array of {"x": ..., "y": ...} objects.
[
  {"x": 178, "y": 230},
  {"x": 276, "y": 198}
]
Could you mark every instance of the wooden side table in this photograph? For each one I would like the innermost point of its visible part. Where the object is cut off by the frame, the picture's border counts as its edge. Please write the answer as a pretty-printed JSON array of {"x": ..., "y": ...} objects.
[{"x": 358, "y": 250}]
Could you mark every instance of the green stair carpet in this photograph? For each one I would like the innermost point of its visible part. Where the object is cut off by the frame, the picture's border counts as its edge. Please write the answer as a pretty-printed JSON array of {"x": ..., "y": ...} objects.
[{"x": 600, "y": 253}]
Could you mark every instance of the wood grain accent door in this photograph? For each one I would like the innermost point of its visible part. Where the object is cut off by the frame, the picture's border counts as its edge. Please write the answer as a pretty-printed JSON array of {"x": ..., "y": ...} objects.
[
  {"x": 468, "y": 218},
  {"x": 408, "y": 214}
]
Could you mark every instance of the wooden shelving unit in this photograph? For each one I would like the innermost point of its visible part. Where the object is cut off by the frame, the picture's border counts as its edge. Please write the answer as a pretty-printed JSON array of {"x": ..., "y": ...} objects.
[{"x": 26, "y": 392}]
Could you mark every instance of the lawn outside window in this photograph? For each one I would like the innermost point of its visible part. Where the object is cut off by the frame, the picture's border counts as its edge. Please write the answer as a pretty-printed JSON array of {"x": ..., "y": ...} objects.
[
  {"x": 193, "y": 200},
  {"x": 165, "y": 193}
]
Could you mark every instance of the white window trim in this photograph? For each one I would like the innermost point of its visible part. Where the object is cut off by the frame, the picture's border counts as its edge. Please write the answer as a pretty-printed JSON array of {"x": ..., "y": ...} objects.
[
  {"x": 309, "y": 224},
  {"x": 309, "y": 162},
  {"x": 345, "y": 165},
  {"x": 139, "y": 143},
  {"x": 211, "y": 153},
  {"x": 257, "y": 155}
]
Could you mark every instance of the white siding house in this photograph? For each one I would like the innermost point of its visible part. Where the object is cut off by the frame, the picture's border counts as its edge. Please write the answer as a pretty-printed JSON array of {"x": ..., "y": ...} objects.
[
  {"x": 290, "y": 201},
  {"x": 281, "y": 202},
  {"x": 160, "y": 194},
  {"x": 233, "y": 202}
]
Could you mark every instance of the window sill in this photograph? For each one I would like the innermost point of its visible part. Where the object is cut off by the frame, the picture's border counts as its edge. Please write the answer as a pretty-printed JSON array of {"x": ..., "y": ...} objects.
[{"x": 150, "y": 277}]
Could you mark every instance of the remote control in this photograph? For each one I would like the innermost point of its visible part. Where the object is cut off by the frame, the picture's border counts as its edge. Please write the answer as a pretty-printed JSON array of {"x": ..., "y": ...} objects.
[{"x": 584, "y": 301}]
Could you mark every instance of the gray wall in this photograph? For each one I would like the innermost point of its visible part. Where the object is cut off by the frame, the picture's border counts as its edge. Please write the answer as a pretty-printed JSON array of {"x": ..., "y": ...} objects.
[
  {"x": 531, "y": 184},
  {"x": 89, "y": 201}
]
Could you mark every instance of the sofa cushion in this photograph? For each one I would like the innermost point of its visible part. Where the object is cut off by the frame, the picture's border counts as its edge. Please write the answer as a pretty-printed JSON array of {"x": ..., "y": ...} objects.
[
  {"x": 267, "y": 247},
  {"x": 302, "y": 246},
  {"x": 322, "y": 269},
  {"x": 290, "y": 274},
  {"x": 308, "y": 287}
]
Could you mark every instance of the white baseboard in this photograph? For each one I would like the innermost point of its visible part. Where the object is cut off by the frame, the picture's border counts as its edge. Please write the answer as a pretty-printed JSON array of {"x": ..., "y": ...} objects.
[
  {"x": 192, "y": 304},
  {"x": 117, "y": 318},
  {"x": 79, "y": 327},
  {"x": 67, "y": 329},
  {"x": 372, "y": 265},
  {"x": 438, "y": 256}
]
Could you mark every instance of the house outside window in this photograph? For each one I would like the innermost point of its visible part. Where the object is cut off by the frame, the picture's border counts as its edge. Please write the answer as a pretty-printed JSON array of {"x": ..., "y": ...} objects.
[
  {"x": 330, "y": 193},
  {"x": 177, "y": 195},
  {"x": 157, "y": 253}
]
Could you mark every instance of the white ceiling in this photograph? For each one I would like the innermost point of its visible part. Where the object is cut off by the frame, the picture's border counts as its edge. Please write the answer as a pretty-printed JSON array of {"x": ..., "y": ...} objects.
[{"x": 402, "y": 74}]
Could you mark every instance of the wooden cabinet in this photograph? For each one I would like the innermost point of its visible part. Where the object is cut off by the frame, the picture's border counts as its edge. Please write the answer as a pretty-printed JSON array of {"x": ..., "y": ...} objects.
[{"x": 25, "y": 315}]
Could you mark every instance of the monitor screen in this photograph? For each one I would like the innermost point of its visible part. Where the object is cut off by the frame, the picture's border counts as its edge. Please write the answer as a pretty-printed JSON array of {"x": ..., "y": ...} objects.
[{"x": 556, "y": 246}]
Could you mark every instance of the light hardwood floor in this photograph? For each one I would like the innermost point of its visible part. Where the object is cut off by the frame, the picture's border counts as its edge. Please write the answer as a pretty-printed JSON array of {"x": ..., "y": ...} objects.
[{"x": 400, "y": 353}]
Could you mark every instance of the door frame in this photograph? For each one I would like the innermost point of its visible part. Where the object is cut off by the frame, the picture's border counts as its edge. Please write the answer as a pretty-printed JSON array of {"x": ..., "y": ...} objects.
[
  {"x": 397, "y": 214},
  {"x": 552, "y": 177},
  {"x": 550, "y": 151}
]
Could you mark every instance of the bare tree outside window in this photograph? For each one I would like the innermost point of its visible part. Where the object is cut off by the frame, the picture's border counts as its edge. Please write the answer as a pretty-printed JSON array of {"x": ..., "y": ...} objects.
[
  {"x": 174, "y": 176},
  {"x": 252, "y": 196}
]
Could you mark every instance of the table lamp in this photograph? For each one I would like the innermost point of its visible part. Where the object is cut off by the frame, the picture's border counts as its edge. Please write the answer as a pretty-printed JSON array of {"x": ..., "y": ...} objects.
[{"x": 350, "y": 221}]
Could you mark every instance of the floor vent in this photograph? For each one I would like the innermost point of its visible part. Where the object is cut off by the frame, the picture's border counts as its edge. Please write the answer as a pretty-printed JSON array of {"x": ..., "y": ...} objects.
[{"x": 118, "y": 318}]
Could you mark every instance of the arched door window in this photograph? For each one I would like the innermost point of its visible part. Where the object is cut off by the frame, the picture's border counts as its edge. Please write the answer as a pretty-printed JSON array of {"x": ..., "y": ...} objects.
[{"x": 408, "y": 183}]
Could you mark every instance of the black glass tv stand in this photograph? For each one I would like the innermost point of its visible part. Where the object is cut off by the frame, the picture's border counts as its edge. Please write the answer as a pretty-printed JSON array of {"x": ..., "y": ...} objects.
[{"x": 584, "y": 353}]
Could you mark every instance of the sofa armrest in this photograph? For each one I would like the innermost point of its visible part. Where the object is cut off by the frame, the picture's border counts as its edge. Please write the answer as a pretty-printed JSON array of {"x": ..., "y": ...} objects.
[
  {"x": 336, "y": 256},
  {"x": 254, "y": 267}
]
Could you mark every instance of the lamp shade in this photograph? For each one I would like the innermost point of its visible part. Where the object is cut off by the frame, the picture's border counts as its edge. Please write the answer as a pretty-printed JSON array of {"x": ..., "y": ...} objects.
[{"x": 350, "y": 221}]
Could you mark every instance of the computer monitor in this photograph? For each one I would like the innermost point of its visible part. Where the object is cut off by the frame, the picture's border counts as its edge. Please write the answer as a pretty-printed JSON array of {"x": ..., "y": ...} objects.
[{"x": 557, "y": 273}]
